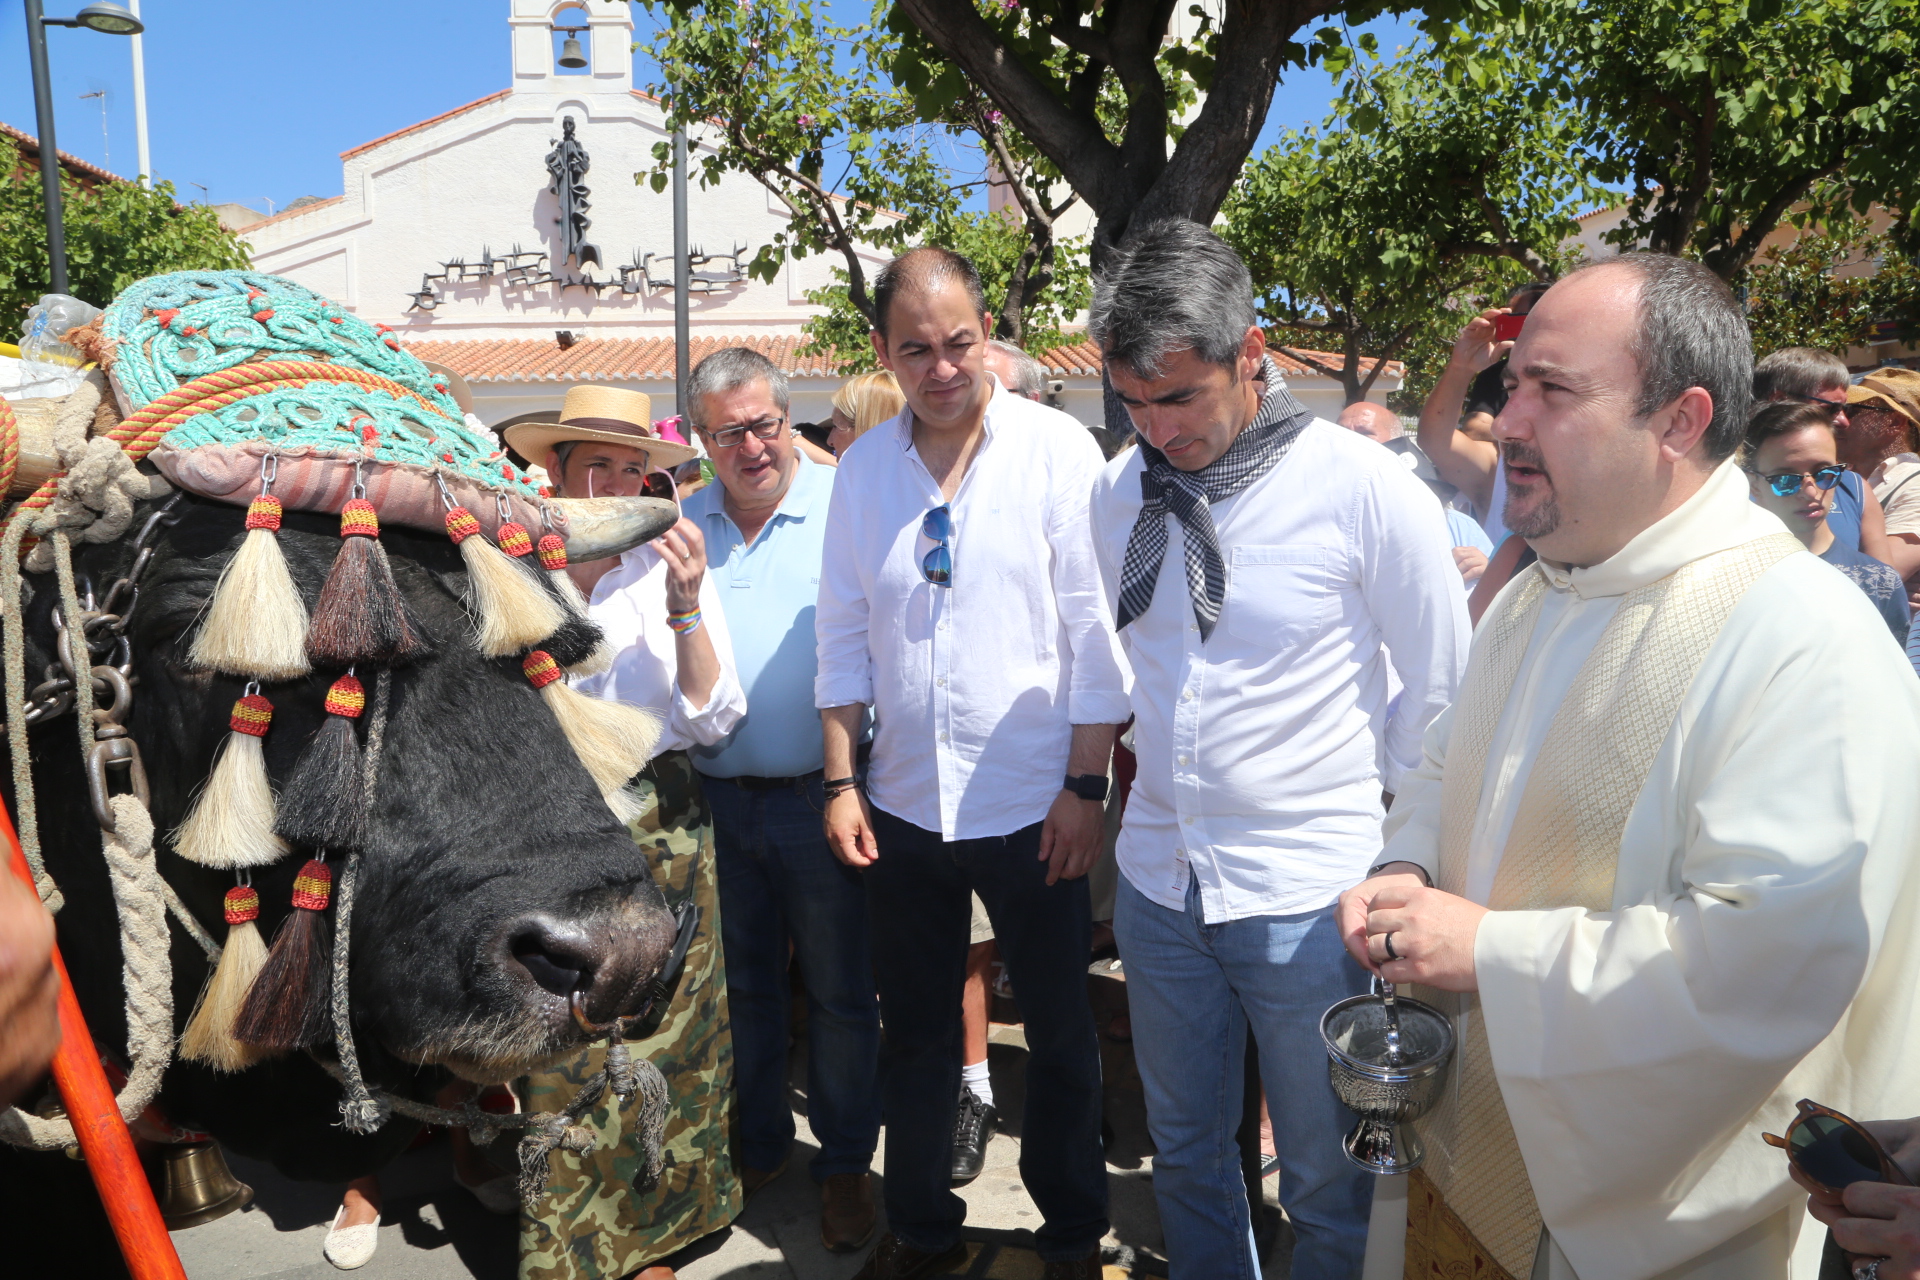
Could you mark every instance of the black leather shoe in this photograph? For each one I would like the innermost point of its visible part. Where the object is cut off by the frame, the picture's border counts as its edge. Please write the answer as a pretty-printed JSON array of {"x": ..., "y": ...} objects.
[
  {"x": 973, "y": 1124},
  {"x": 891, "y": 1260}
]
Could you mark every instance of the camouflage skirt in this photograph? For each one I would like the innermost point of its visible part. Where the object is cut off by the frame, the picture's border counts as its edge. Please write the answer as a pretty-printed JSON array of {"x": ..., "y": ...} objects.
[{"x": 592, "y": 1225}]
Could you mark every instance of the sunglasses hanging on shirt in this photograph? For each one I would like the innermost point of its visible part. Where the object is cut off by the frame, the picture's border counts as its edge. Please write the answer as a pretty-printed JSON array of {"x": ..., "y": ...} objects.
[{"x": 937, "y": 565}]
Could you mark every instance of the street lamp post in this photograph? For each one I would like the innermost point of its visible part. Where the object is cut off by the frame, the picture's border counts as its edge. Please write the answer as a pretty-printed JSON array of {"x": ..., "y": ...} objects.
[{"x": 109, "y": 18}]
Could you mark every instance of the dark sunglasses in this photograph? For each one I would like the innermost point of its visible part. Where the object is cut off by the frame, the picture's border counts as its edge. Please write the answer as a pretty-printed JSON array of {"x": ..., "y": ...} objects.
[
  {"x": 1834, "y": 1151},
  {"x": 937, "y": 566},
  {"x": 1787, "y": 483}
]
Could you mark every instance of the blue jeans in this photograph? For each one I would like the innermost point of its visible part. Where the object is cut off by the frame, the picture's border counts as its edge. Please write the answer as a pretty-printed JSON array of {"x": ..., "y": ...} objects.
[
  {"x": 1192, "y": 989},
  {"x": 917, "y": 900},
  {"x": 778, "y": 883}
]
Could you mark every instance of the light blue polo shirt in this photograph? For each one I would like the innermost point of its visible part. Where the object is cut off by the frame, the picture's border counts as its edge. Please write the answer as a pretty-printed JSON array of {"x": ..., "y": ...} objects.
[{"x": 769, "y": 590}]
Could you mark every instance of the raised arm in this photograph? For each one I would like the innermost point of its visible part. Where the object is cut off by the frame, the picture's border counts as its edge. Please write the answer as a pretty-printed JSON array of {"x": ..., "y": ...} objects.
[{"x": 1463, "y": 462}]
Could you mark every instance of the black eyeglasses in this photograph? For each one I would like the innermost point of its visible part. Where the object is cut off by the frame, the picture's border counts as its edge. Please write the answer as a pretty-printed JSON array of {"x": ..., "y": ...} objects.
[
  {"x": 729, "y": 437},
  {"x": 1835, "y": 1151},
  {"x": 937, "y": 566},
  {"x": 1787, "y": 483}
]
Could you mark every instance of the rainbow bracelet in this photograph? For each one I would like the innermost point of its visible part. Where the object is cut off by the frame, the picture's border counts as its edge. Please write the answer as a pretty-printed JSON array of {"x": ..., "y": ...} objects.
[{"x": 684, "y": 623}]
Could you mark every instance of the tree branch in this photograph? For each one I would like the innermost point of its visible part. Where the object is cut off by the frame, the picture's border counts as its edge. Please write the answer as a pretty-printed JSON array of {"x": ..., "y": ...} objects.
[{"x": 1728, "y": 263}]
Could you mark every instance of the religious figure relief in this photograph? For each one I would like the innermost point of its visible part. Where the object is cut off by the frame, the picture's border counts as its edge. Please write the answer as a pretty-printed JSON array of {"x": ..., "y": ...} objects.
[{"x": 568, "y": 164}]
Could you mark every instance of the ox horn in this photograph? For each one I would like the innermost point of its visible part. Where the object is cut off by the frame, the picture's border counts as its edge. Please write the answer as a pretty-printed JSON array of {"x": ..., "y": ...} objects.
[{"x": 602, "y": 527}]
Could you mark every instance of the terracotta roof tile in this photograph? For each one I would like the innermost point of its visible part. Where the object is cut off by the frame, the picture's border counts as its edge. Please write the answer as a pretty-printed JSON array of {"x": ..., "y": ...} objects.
[
  {"x": 415, "y": 128},
  {"x": 294, "y": 212},
  {"x": 643, "y": 359},
  {"x": 30, "y": 144}
]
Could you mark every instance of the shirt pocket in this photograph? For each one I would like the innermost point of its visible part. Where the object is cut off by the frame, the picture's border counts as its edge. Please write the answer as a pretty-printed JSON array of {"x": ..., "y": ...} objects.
[{"x": 1278, "y": 597}]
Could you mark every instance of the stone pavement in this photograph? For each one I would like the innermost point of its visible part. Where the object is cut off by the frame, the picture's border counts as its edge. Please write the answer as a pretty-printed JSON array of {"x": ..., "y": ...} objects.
[{"x": 434, "y": 1230}]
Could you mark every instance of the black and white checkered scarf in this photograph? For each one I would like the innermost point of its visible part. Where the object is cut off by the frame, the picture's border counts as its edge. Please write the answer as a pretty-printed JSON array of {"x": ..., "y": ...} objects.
[{"x": 1165, "y": 489}]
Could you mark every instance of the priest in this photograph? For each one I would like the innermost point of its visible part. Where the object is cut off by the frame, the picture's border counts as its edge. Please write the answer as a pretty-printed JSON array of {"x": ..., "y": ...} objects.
[{"x": 1658, "y": 860}]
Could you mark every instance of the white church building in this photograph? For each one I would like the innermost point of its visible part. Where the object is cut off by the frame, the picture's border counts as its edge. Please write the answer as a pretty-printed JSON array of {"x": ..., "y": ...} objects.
[{"x": 508, "y": 240}]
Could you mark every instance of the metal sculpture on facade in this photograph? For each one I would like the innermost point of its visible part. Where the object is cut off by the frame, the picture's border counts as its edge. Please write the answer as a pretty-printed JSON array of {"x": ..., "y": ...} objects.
[{"x": 567, "y": 163}]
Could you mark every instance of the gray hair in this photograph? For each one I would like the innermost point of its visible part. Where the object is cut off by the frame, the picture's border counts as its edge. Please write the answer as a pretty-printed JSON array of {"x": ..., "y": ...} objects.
[
  {"x": 729, "y": 369},
  {"x": 1030, "y": 378},
  {"x": 1691, "y": 333},
  {"x": 1799, "y": 373},
  {"x": 1173, "y": 286}
]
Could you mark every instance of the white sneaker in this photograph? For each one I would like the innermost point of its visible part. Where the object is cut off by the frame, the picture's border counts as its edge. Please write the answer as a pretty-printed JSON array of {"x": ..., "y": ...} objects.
[{"x": 349, "y": 1248}]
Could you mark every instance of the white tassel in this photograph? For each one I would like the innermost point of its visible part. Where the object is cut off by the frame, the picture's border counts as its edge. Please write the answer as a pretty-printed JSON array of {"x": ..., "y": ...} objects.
[
  {"x": 209, "y": 1038},
  {"x": 256, "y": 623},
  {"x": 231, "y": 824},
  {"x": 515, "y": 613},
  {"x": 614, "y": 740}
]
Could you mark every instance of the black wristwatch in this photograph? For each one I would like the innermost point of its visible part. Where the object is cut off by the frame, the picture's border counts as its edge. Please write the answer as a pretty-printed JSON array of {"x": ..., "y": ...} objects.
[{"x": 1088, "y": 786}]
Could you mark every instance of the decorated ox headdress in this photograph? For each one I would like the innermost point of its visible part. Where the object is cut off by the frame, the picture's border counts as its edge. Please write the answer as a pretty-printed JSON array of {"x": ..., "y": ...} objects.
[{"x": 249, "y": 389}]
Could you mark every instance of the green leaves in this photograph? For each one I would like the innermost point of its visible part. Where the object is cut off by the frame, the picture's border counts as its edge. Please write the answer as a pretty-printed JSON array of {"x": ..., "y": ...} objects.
[{"x": 117, "y": 233}]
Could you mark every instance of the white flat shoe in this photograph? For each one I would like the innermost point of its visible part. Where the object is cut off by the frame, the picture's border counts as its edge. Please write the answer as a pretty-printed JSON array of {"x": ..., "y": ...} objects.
[
  {"x": 496, "y": 1195},
  {"x": 349, "y": 1248}
]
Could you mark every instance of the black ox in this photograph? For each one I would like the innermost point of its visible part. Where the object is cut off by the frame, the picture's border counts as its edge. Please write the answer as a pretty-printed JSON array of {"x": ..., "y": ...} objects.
[{"x": 496, "y": 881}]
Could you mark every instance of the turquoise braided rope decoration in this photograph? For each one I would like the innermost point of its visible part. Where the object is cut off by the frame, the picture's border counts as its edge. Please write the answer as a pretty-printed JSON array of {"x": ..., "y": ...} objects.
[
  {"x": 168, "y": 330},
  {"x": 344, "y": 419}
]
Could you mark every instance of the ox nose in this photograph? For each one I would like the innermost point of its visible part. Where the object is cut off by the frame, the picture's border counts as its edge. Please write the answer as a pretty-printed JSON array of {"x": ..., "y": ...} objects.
[{"x": 608, "y": 963}]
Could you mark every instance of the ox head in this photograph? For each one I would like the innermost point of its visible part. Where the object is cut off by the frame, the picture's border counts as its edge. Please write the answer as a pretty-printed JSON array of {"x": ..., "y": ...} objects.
[{"x": 496, "y": 889}]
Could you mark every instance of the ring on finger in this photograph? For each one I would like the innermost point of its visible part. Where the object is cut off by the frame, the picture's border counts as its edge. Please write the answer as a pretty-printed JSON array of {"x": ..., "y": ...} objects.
[{"x": 1387, "y": 941}]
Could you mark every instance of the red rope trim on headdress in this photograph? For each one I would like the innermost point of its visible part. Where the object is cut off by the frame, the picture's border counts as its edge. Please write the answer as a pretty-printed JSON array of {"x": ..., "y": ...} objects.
[
  {"x": 241, "y": 905},
  {"x": 347, "y": 697},
  {"x": 252, "y": 715}
]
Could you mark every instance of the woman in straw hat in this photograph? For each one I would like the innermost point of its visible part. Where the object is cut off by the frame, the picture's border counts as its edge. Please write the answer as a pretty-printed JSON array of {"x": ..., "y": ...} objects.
[{"x": 661, "y": 615}]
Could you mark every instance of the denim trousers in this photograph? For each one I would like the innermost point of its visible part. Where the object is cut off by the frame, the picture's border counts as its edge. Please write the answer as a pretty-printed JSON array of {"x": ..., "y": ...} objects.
[
  {"x": 780, "y": 883},
  {"x": 918, "y": 903},
  {"x": 1192, "y": 990}
]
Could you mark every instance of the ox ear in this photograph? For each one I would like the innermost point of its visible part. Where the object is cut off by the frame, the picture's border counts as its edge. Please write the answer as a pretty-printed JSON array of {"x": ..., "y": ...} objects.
[{"x": 602, "y": 527}]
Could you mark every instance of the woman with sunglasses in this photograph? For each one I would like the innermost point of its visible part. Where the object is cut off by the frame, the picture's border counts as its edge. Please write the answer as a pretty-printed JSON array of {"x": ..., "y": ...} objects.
[
  {"x": 661, "y": 614},
  {"x": 1793, "y": 465}
]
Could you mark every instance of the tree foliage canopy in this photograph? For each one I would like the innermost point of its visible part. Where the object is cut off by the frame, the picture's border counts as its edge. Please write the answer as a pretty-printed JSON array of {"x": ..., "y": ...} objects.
[
  {"x": 1416, "y": 190},
  {"x": 117, "y": 233},
  {"x": 1720, "y": 117}
]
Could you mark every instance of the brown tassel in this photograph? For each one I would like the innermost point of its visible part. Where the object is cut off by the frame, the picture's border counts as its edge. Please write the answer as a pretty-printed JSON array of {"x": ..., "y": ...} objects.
[
  {"x": 516, "y": 613},
  {"x": 580, "y": 645},
  {"x": 361, "y": 615},
  {"x": 289, "y": 1005},
  {"x": 231, "y": 824},
  {"x": 614, "y": 740},
  {"x": 324, "y": 804},
  {"x": 209, "y": 1037},
  {"x": 256, "y": 623}
]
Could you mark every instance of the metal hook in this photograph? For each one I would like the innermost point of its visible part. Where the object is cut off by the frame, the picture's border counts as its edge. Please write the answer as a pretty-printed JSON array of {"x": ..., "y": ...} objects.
[
  {"x": 269, "y": 469},
  {"x": 359, "y": 487},
  {"x": 446, "y": 494}
]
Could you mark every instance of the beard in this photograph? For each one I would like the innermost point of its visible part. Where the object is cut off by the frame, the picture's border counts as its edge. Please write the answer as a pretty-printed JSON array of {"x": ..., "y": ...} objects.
[{"x": 1543, "y": 517}]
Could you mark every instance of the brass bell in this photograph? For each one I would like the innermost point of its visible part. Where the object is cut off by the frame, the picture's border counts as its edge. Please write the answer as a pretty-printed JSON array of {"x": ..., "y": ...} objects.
[{"x": 196, "y": 1186}]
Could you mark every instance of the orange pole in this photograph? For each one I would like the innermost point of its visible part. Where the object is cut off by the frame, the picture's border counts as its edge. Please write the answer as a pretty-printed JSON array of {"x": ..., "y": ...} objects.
[{"x": 104, "y": 1139}]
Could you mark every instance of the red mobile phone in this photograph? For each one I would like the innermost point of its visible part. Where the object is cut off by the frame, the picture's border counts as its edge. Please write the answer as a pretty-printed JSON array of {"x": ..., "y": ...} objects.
[{"x": 1506, "y": 328}]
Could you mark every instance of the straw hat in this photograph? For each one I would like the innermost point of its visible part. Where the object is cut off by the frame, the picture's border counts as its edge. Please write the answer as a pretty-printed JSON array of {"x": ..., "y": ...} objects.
[
  {"x": 1892, "y": 388},
  {"x": 609, "y": 415}
]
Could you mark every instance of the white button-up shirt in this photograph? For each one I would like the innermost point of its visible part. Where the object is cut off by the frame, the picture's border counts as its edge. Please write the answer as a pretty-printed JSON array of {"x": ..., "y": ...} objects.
[
  {"x": 975, "y": 687},
  {"x": 1264, "y": 749},
  {"x": 630, "y": 604}
]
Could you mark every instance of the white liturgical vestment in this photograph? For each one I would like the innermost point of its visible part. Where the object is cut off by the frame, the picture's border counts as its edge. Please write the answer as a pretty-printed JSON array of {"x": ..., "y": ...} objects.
[{"x": 1763, "y": 941}]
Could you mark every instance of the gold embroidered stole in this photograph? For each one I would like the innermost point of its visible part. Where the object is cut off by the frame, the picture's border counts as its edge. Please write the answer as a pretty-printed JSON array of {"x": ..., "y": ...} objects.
[{"x": 1564, "y": 846}]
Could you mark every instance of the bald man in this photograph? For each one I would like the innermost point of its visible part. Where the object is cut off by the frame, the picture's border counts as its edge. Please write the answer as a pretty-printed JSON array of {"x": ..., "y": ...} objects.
[{"x": 1374, "y": 421}]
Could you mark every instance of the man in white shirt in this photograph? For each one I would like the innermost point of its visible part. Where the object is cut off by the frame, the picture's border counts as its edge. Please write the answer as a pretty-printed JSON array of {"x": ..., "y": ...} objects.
[
  {"x": 959, "y": 600},
  {"x": 1666, "y": 830},
  {"x": 1270, "y": 573}
]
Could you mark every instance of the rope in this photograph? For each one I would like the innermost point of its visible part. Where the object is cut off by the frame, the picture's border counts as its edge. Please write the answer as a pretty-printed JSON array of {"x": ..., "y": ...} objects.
[
  {"x": 146, "y": 972},
  {"x": 139, "y": 433},
  {"x": 360, "y": 1111},
  {"x": 13, "y": 651},
  {"x": 9, "y": 446},
  {"x": 78, "y": 658}
]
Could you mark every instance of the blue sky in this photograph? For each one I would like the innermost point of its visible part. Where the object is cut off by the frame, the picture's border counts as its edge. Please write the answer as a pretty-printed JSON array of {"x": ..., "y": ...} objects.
[{"x": 253, "y": 102}]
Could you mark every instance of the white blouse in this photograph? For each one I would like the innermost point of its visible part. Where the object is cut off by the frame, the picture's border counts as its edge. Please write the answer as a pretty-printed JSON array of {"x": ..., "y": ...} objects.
[{"x": 630, "y": 604}]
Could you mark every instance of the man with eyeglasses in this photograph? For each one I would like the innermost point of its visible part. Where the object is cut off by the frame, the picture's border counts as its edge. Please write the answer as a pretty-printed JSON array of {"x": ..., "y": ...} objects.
[
  {"x": 959, "y": 600},
  {"x": 764, "y": 525}
]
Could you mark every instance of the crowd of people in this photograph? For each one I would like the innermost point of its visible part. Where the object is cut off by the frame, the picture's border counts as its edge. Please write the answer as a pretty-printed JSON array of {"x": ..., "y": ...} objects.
[{"x": 1539, "y": 713}]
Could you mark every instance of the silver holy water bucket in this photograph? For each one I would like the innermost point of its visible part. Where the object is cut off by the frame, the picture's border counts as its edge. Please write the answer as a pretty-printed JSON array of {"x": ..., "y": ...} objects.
[{"x": 1387, "y": 1057}]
